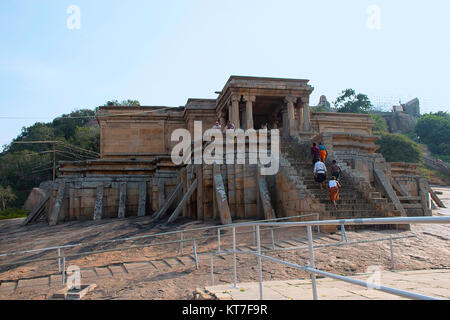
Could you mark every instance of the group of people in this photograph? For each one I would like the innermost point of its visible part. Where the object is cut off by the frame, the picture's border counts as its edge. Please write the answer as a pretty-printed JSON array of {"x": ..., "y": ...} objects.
[
  {"x": 227, "y": 126},
  {"x": 230, "y": 126},
  {"x": 319, "y": 154}
]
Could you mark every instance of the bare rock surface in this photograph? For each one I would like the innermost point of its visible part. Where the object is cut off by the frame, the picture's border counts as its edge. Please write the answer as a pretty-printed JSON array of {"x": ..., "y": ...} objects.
[{"x": 161, "y": 272}]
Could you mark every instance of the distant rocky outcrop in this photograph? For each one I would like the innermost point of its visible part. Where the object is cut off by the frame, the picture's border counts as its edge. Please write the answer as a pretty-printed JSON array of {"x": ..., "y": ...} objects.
[{"x": 403, "y": 118}]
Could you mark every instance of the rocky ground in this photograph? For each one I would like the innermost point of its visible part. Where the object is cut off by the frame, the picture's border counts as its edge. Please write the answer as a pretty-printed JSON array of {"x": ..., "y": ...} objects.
[{"x": 161, "y": 272}]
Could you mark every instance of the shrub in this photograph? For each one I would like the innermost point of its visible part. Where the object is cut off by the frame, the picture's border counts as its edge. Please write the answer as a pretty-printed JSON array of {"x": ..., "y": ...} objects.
[{"x": 399, "y": 148}]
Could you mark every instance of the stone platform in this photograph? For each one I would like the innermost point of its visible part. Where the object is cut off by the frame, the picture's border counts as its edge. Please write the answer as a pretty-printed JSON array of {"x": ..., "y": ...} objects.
[{"x": 434, "y": 283}]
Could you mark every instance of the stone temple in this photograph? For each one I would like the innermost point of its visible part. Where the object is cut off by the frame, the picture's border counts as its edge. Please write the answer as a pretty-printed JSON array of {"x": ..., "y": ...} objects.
[{"x": 135, "y": 175}]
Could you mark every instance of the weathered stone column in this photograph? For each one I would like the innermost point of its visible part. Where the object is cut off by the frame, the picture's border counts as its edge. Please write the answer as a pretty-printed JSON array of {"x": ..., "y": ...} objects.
[
  {"x": 122, "y": 199},
  {"x": 285, "y": 119},
  {"x": 306, "y": 121},
  {"x": 235, "y": 98},
  {"x": 300, "y": 118},
  {"x": 290, "y": 100},
  {"x": 249, "y": 110}
]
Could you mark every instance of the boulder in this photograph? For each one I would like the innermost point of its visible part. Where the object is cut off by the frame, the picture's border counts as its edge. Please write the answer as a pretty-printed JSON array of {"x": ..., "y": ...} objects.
[{"x": 34, "y": 198}]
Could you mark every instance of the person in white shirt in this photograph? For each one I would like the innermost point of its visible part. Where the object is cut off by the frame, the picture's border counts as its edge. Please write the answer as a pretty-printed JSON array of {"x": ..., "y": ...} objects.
[
  {"x": 320, "y": 173},
  {"x": 333, "y": 186}
]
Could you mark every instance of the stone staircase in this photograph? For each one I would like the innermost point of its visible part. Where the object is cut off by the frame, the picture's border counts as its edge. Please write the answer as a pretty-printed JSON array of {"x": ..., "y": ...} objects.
[{"x": 352, "y": 202}]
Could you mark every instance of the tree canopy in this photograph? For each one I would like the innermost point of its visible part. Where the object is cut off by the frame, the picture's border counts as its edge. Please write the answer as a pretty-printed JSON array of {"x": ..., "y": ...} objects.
[
  {"x": 24, "y": 166},
  {"x": 124, "y": 103},
  {"x": 380, "y": 124},
  {"x": 6, "y": 196},
  {"x": 433, "y": 129},
  {"x": 350, "y": 102}
]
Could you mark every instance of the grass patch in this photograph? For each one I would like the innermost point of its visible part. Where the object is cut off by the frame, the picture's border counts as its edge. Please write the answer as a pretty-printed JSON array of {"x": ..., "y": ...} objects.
[
  {"x": 13, "y": 213},
  {"x": 434, "y": 176}
]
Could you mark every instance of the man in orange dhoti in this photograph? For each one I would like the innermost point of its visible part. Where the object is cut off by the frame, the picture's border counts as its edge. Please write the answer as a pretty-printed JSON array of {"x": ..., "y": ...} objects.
[{"x": 334, "y": 186}]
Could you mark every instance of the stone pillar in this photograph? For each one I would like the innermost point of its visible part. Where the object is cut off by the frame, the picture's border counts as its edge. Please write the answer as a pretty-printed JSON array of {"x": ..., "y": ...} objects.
[
  {"x": 300, "y": 116},
  {"x": 306, "y": 121},
  {"x": 249, "y": 110},
  {"x": 235, "y": 98},
  {"x": 122, "y": 199},
  {"x": 285, "y": 119},
  {"x": 243, "y": 118},
  {"x": 290, "y": 100}
]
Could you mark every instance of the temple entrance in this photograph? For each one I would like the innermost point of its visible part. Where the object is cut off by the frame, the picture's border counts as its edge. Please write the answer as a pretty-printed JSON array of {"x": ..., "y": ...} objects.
[{"x": 267, "y": 112}]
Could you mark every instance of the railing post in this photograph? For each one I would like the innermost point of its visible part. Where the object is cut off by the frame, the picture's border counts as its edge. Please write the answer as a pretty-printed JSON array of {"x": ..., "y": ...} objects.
[
  {"x": 59, "y": 259},
  {"x": 343, "y": 234},
  {"x": 271, "y": 235},
  {"x": 253, "y": 233},
  {"x": 311, "y": 261},
  {"x": 64, "y": 270},
  {"x": 318, "y": 226},
  {"x": 211, "y": 267},
  {"x": 392, "y": 253},
  {"x": 218, "y": 240},
  {"x": 234, "y": 258},
  {"x": 181, "y": 243},
  {"x": 195, "y": 256},
  {"x": 258, "y": 243}
]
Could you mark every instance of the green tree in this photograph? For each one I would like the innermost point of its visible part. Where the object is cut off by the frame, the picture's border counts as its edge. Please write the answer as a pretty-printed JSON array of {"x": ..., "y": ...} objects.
[
  {"x": 124, "y": 103},
  {"x": 319, "y": 109},
  {"x": 380, "y": 124},
  {"x": 398, "y": 148},
  {"x": 87, "y": 138},
  {"x": 24, "y": 166},
  {"x": 433, "y": 129},
  {"x": 66, "y": 125},
  {"x": 36, "y": 132},
  {"x": 350, "y": 102},
  {"x": 6, "y": 196},
  {"x": 24, "y": 170}
]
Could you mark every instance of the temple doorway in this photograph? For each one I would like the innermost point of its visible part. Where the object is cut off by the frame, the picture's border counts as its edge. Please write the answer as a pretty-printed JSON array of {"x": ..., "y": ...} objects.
[{"x": 267, "y": 112}]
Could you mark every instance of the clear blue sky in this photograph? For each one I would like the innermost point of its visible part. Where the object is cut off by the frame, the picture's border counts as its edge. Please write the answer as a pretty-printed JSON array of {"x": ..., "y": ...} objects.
[{"x": 163, "y": 52}]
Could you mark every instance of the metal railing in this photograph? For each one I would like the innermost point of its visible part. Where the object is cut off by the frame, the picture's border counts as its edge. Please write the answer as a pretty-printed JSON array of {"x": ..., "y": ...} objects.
[
  {"x": 311, "y": 268},
  {"x": 257, "y": 227},
  {"x": 61, "y": 257}
]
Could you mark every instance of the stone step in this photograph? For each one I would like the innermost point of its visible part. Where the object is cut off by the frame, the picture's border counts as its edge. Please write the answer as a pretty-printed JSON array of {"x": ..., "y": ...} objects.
[
  {"x": 379, "y": 200},
  {"x": 352, "y": 214},
  {"x": 350, "y": 207},
  {"x": 347, "y": 204},
  {"x": 346, "y": 196}
]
